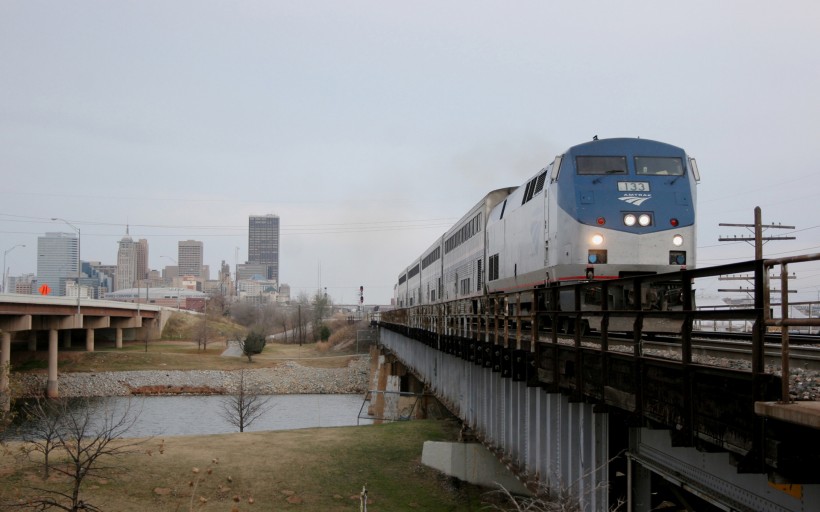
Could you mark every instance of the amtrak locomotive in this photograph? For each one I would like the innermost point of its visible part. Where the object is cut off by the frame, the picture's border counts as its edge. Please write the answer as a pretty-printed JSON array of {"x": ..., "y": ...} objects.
[{"x": 602, "y": 210}]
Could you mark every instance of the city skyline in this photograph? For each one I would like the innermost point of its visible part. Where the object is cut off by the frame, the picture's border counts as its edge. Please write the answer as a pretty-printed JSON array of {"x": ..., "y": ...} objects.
[{"x": 370, "y": 128}]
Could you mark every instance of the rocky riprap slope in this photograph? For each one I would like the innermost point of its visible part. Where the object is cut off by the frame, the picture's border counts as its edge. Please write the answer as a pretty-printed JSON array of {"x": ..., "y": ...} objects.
[{"x": 287, "y": 378}]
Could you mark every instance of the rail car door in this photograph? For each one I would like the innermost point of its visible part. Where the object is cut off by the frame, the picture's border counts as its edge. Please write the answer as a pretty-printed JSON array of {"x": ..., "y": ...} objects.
[{"x": 550, "y": 218}]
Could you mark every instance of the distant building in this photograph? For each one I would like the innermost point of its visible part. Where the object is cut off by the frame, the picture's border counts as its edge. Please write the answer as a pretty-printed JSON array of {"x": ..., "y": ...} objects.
[
  {"x": 57, "y": 260},
  {"x": 154, "y": 279},
  {"x": 22, "y": 284},
  {"x": 189, "y": 259},
  {"x": 258, "y": 290},
  {"x": 126, "y": 263},
  {"x": 108, "y": 270},
  {"x": 170, "y": 273},
  {"x": 250, "y": 270},
  {"x": 142, "y": 259},
  {"x": 170, "y": 297},
  {"x": 284, "y": 293},
  {"x": 99, "y": 281},
  {"x": 263, "y": 244}
]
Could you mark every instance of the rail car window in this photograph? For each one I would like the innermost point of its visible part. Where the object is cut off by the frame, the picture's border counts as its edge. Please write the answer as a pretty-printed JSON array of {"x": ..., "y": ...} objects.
[
  {"x": 540, "y": 184},
  {"x": 600, "y": 164},
  {"x": 534, "y": 186},
  {"x": 466, "y": 232},
  {"x": 658, "y": 166},
  {"x": 493, "y": 271},
  {"x": 434, "y": 255},
  {"x": 413, "y": 272}
]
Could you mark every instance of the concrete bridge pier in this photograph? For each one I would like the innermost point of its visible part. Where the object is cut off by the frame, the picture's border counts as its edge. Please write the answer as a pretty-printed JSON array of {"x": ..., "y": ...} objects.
[
  {"x": 118, "y": 339},
  {"x": 89, "y": 340},
  {"x": 67, "y": 339},
  {"x": 51, "y": 384}
]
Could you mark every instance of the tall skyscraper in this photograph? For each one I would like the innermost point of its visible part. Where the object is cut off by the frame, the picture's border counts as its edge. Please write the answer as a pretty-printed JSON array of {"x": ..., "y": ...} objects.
[
  {"x": 142, "y": 259},
  {"x": 189, "y": 258},
  {"x": 126, "y": 263},
  {"x": 57, "y": 260},
  {"x": 263, "y": 243}
]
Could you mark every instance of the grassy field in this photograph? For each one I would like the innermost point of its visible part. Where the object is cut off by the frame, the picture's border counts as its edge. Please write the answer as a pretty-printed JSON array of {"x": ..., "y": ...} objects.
[{"x": 311, "y": 469}]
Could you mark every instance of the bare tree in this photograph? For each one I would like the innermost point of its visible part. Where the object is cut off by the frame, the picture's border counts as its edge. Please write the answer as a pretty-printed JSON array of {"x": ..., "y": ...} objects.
[
  {"x": 83, "y": 439},
  {"x": 45, "y": 418},
  {"x": 244, "y": 313},
  {"x": 556, "y": 498},
  {"x": 246, "y": 406}
]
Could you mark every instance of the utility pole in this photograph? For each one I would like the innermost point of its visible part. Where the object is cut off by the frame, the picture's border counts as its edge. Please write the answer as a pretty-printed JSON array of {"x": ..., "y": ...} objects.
[{"x": 758, "y": 240}]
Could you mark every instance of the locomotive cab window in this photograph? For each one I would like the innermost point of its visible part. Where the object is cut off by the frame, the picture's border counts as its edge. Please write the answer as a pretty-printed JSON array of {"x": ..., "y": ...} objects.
[
  {"x": 658, "y": 166},
  {"x": 600, "y": 164}
]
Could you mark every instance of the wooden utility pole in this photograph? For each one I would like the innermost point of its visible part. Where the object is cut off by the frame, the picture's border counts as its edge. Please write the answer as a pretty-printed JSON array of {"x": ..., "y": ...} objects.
[{"x": 758, "y": 238}]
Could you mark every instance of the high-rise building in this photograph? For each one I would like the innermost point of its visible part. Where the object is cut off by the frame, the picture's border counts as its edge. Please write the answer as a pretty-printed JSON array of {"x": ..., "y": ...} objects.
[
  {"x": 263, "y": 243},
  {"x": 142, "y": 259},
  {"x": 57, "y": 260},
  {"x": 126, "y": 263},
  {"x": 189, "y": 258}
]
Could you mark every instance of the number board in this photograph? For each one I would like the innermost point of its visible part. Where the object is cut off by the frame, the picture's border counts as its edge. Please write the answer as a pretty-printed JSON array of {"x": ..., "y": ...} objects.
[{"x": 633, "y": 186}]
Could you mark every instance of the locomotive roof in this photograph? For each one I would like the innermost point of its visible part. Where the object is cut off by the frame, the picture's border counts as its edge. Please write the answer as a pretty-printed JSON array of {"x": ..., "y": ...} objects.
[{"x": 622, "y": 145}]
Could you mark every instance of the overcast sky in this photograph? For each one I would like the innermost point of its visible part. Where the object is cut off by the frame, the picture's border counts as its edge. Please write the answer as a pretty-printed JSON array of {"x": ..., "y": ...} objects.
[{"x": 369, "y": 127}]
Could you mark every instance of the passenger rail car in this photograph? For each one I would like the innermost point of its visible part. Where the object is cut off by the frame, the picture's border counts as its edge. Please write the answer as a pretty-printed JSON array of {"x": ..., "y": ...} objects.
[{"x": 602, "y": 210}]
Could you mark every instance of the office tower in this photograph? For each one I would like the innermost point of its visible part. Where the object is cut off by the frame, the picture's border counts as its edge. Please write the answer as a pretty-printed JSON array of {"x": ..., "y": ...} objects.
[
  {"x": 263, "y": 243},
  {"x": 126, "y": 263},
  {"x": 56, "y": 260},
  {"x": 189, "y": 258},
  {"x": 142, "y": 259}
]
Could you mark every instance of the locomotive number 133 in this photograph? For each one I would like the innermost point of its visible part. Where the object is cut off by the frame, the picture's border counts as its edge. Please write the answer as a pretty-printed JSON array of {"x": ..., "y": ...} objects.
[{"x": 633, "y": 186}]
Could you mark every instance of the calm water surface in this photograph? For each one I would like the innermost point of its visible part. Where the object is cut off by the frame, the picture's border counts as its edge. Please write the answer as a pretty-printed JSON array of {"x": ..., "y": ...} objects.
[{"x": 196, "y": 415}]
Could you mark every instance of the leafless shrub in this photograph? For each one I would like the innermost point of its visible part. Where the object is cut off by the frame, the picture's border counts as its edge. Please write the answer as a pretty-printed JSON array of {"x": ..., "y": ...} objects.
[
  {"x": 85, "y": 441},
  {"x": 245, "y": 407},
  {"x": 551, "y": 498}
]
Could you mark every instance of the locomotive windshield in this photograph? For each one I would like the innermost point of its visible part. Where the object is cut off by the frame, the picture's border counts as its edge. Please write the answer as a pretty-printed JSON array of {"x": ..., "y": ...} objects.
[
  {"x": 658, "y": 166},
  {"x": 600, "y": 164}
]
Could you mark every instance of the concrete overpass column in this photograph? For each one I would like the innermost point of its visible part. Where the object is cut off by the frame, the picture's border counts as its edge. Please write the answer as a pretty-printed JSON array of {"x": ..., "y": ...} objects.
[
  {"x": 32, "y": 341},
  {"x": 67, "y": 338},
  {"x": 89, "y": 340},
  {"x": 119, "y": 338},
  {"x": 51, "y": 385},
  {"x": 5, "y": 361}
]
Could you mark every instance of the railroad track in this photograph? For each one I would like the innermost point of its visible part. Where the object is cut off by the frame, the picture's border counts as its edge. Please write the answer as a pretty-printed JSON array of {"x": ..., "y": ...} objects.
[{"x": 714, "y": 349}]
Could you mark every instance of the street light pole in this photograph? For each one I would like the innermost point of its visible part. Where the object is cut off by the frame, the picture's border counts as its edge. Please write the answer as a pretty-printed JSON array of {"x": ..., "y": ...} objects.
[
  {"x": 79, "y": 265},
  {"x": 4, "y": 264}
]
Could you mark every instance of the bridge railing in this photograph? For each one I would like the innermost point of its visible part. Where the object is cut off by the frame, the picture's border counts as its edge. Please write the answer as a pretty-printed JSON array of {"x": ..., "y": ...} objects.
[
  {"x": 615, "y": 316},
  {"x": 785, "y": 322}
]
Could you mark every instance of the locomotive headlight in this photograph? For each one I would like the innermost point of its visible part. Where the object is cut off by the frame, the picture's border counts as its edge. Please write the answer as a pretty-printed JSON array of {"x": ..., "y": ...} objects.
[
  {"x": 677, "y": 240},
  {"x": 597, "y": 239},
  {"x": 644, "y": 220},
  {"x": 630, "y": 219}
]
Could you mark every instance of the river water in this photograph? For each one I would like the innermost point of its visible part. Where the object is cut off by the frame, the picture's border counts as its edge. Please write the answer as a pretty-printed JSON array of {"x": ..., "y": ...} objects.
[{"x": 198, "y": 415}]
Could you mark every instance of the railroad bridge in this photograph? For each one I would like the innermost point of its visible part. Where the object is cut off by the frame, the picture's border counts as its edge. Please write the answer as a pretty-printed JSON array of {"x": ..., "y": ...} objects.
[
  {"x": 611, "y": 418},
  {"x": 34, "y": 318}
]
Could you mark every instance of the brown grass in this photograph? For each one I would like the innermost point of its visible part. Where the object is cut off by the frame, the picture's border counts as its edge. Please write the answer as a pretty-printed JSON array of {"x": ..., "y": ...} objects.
[{"x": 311, "y": 469}]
